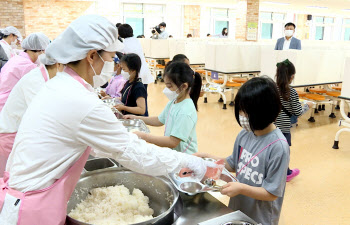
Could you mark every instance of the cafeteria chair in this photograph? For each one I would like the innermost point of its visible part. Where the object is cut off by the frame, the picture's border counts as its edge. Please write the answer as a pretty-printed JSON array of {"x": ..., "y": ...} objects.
[
  {"x": 230, "y": 85},
  {"x": 333, "y": 96},
  {"x": 316, "y": 98},
  {"x": 337, "y": 88},
  {"x": 345, "y": 122},
  {"x": 156, "y": 69},
  {"x": 318, "y": 91},
  {"x": 234, "y": 83}
]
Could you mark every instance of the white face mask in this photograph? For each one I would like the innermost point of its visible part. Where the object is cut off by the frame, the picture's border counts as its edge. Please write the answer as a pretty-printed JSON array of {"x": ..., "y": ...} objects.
[
  {"x": 244, "y": 123},
  {"x": 37, "y": 62},
  {"x": 161, "y": 29},
  {"x": 289, "y": 33},
  {"x": 114, "y": 73},
  {"x": 106, "y": 73},
  {"x": 170, "y": 94},
  {"x": 14, "y": 44},
  {"x": 125, "y": 75}
]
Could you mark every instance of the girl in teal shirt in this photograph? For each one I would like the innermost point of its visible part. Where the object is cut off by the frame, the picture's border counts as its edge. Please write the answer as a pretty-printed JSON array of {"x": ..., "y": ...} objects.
[{"x": 179, "y": 117}]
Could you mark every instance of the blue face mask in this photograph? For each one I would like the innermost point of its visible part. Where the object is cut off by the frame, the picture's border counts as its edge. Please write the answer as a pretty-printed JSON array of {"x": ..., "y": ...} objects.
[{"x": 116, "y": 59}]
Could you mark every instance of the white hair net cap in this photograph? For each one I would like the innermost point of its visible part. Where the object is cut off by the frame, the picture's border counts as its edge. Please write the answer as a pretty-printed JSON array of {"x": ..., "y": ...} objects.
[
  {"x": 36, "y": 41},
  {"x": 88, "y": 32},
  {"x": 46, "y": 60},
  {"x": 12, "y": 30}
]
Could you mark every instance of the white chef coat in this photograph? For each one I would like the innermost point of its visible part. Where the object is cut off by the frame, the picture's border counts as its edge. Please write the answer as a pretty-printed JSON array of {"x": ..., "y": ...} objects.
[
  {"x": 64, "y": 119},
  {"x": 7, "y": 48},
  {"x": 19, "y": 99},
  {"x": 133, "y": 45},
  {"x": 286, "y": 43}
]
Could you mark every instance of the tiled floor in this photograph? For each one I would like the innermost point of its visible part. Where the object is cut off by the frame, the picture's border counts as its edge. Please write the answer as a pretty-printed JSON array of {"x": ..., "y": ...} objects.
[{"x": 320, "y": 194}]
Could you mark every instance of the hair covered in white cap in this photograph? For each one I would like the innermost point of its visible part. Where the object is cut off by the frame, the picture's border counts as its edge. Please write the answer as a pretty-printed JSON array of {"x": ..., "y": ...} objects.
[
  {"x": 36, "y": 41},
  {"x": 88, "y": 32},
  {"x": 12, "y": 30},
  {"x": 46, "y": 60}
]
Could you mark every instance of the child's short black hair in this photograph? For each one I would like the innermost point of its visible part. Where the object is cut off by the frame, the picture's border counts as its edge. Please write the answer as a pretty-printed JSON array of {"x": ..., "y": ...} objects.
[
  {"x": 180, "y": 58},
  {"x": 259, "y": 99},
  {"x": 125, "y": 31}
]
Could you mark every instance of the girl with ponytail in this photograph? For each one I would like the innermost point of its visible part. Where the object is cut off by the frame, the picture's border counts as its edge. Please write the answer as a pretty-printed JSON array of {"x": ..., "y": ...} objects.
[
  {"x": 134, "y": 93},
  {"x": 291, "y": 106},
  {"x": 183, "y": 87}
]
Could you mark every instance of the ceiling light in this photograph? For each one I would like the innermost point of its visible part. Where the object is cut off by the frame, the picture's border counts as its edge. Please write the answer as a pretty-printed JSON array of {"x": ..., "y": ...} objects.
[
  {"x": 277, "y": 3},
  {"x": 317, "y": 7},
  {"x": 346, "y": 10}
]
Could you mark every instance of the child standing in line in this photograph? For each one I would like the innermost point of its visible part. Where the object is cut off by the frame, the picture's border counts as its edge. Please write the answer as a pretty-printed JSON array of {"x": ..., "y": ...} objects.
[
  {"x": 117, "y": 82},
  {"x": 290, "y": 104},
  {"x": 179, "y": 116},
  {"x": 260, "y": 155},
  {"x": 134, "y": 92}
]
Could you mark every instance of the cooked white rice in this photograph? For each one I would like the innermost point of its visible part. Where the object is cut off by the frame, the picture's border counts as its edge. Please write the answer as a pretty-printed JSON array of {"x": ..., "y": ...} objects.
[
  {"x": 113, "y": 205},
  {"x": 220, "y": 182}
]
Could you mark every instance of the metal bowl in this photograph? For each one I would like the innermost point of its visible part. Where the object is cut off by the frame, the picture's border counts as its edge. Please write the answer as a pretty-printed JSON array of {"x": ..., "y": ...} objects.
[{"x": 163, "y": 196}]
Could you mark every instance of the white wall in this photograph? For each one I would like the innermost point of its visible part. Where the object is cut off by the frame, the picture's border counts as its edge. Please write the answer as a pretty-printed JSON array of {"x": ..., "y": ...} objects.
[
  {"x": 174, "y": 19},
  {"x": 205, "y": 26}
]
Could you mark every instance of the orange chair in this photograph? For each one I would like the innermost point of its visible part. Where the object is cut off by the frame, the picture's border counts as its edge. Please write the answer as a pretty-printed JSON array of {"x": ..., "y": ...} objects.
[
  {"x": 333, "y": 96},
  {"x": 337, "y": 88},
  {"x": 239, "y": 80},
  {"x": 231, "y": 85},
  {"x": 316, "y": 98},
  {"x": 318, "y": 90},
  {"x": 301, "y": 93},
  {"x": 159, "y": 66}
]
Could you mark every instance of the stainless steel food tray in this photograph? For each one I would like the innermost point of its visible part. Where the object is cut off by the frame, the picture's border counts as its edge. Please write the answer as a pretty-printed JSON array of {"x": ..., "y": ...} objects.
[
  {"x": 99, "y": 163},
  {"x": 190, "y": 186},
  {"x": 135, "y": 124},
  {"x": 234, "y": 218}
]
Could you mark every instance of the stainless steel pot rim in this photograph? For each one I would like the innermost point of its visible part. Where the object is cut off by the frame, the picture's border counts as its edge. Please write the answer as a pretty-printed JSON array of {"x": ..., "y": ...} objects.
[
  {"x": 237, "y": 222},
  {"x": 164, "y": 179}
]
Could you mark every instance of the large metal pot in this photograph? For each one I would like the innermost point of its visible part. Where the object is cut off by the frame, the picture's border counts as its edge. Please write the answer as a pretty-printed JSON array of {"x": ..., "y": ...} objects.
[{"x": 164, "y": 197}]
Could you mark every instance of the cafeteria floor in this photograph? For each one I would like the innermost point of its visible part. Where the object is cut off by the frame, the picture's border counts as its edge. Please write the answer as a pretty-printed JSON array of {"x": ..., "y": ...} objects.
[{"x": 319, "y": 195}]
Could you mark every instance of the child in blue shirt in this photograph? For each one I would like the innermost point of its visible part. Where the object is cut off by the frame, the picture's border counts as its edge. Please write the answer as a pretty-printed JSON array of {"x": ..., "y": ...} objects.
[{"x": 260, "y": 155}]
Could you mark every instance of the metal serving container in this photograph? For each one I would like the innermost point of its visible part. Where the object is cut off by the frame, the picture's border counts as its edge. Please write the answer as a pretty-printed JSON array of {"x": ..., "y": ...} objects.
[
  {"x": 163, "y": 196},
  {"x": 190, "y": 186},
  {"x": 99, "y": 163},
  {"x": 237, "y": 222},
  {"x": 135, "y": 124}
]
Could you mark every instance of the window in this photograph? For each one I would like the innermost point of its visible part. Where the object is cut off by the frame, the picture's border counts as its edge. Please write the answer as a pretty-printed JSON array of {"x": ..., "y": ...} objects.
[
  {"x": 142, "y": 17},
  {"x": 220, "y": 19},
  {"x": 220, "y": 25},
  {"x": 323, "y": 28},
  {"x": 346, "y": 28},
  {"x": 266, "y": 30},
  {"x": 271, "y": 25},
  {"x": 319, "y": 33}
]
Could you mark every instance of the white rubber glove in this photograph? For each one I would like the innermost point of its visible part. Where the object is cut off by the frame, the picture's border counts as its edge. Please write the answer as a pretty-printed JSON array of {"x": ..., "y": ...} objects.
[{"x": 197, "y": 167}]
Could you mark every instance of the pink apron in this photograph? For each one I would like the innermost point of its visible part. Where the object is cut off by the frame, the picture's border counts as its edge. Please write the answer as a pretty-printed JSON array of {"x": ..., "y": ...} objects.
[
  {"x": 47, "y": 206},
  {"x": 7, "y": 139},
  {"x": 12, "y": 72}
]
